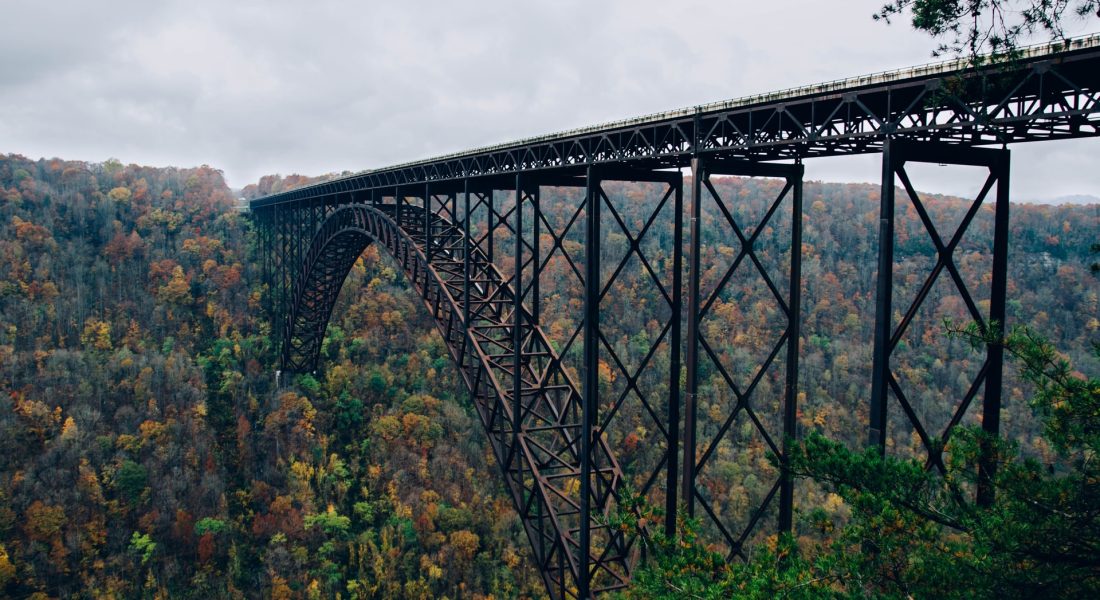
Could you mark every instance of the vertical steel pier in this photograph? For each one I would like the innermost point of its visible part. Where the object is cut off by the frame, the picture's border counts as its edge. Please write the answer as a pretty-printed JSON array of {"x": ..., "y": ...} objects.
[{"x": 895, "y": 156}]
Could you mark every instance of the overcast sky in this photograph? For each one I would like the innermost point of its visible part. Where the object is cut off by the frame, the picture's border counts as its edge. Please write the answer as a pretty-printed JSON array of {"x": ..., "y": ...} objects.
[{"x": 286, "y": 87}]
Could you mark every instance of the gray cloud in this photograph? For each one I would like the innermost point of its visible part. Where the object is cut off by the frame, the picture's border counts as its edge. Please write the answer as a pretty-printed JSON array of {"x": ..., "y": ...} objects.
[{"x": 263, "y": 87}]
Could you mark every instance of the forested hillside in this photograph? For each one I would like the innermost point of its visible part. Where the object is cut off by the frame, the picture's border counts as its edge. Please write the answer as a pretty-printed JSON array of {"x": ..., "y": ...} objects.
[{"x": 144, "y": 451}]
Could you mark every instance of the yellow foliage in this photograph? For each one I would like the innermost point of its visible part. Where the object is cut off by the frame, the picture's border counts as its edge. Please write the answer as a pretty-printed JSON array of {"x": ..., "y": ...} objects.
[
  {"x": 403, "y": 511},
  {"x": 392, "y": 319},
  {"x": 338, "y": 378},
  {"x": 607, "y": 374},
  {"x": 129, "y": 442},
  {"x": 716, "y": 412},
  {"x": 177, "y": 290},
  {"x": 388, "y": 427},
  {"x": 414, "y": 425},
  {"x": 152, "y": 430},
  {"x": 7, "y": 570},
  {"x": 88, "y": 481},
  {"x": 430, "y": 497},
  {"x": 120, "y": 194},
  {"x": 69, "y": 429},
  {"x": 465, "y": 543},
  {"x": 38, "y": 415},
  {"x": 97, "y": 334},
  {"x": 510, "y": 558},
  {"x": 301, "y": 473},
  {"x": 834, "y": 503},
  {"x": 279, "y": 589},
  {"x": 44, "y": 522}
]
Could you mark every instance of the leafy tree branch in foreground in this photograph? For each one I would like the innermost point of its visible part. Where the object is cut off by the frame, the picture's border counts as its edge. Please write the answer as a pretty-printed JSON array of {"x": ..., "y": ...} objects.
[
  {"x": 916, "y": 534},
  {"x": 973, "y": 27}
]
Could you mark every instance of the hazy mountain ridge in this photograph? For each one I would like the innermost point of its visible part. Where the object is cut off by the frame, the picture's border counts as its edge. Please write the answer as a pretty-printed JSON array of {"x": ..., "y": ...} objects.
[{"x": 1087, "y": 199}]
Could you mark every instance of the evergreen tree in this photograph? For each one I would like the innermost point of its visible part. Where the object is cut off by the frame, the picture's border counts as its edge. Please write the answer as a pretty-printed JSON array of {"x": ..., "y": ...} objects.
[
  {"x": 916, "y": 534},
  {"x": 972, "y": 27}
]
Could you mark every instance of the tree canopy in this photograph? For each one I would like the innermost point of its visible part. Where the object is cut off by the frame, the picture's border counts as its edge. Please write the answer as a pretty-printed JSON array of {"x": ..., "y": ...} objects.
[
  {"x": 974, "y": 27},
  {"x": 913, "y": 533}
]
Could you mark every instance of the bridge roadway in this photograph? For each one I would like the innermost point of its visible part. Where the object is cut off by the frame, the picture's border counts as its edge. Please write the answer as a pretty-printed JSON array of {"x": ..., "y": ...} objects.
[
  {"x": 446, "y": 221},
  {"x": 1050, "y": 94}
]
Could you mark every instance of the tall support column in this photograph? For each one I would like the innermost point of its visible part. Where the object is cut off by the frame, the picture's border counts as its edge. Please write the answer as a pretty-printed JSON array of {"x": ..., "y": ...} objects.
[
  {"x": 466, "y": 259},
  {"x": 491, "y": 218},
  {"x": 991, "y": 407},
  {"x": 453, "y": 197},
  {"x": 283, "y": 242},
  {"x": 590, "y": 400},
  {"x": 399, "y": 207},
  {"x": 794, "y": 333},
  {"x": 263, "y": 228},
  {"x": 314, "y": 206},
  {"x": 517, "y": 334},
  {"x": 406, "y": 213},
  {"x": 536, "y": 255},
  {"x": 269, "y": 252},
  {"x": 672, "y": 475},
  {"x": 888, "y": 337},
  {"x": 428, "y": 221},
  {"x": 688, "y": 486},
  {"x": 258, "y": 219},
  {"x": 884, "y": 296},
  {"x": 701, "y": 351},
  {"x": 297, "y": 220}
]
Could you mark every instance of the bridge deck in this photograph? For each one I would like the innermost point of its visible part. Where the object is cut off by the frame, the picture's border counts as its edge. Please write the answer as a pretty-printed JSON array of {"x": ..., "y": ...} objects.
[{"x": 1051, "y": 91}]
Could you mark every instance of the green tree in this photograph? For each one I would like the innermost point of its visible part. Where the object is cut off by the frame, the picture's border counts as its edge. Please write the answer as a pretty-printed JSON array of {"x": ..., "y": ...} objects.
[
  {"x": 130, "y": 480},
  {"x": 973, "y": 27},
  {"x": 142, "y": 546},
  {"x": 207, "y": 525},
  {"x": 914, "y": 533},
  {"x": 331, "y": 522}
]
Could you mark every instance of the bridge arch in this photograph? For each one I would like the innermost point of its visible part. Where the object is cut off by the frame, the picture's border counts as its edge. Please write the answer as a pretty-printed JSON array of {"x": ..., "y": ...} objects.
[
  {"x": 534, "y": 434},
  {"x": 332, "y": 252}
]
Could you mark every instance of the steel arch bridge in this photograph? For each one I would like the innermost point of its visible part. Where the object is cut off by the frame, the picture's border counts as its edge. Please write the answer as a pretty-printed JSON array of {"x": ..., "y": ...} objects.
[{"x": 473, "y": 237}]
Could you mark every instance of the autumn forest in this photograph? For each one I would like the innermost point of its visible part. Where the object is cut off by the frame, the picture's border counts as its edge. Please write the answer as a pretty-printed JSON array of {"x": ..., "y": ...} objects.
[{"x": 146, "y": 452}]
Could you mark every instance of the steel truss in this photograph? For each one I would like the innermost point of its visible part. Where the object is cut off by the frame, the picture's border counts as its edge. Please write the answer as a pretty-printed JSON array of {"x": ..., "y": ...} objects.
[
  {"x": 563, "y": 482},
  {"x": 565, "y": 485},
  {"x": 896, "y": 155},
  {"x": 702, "y": 352}
]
